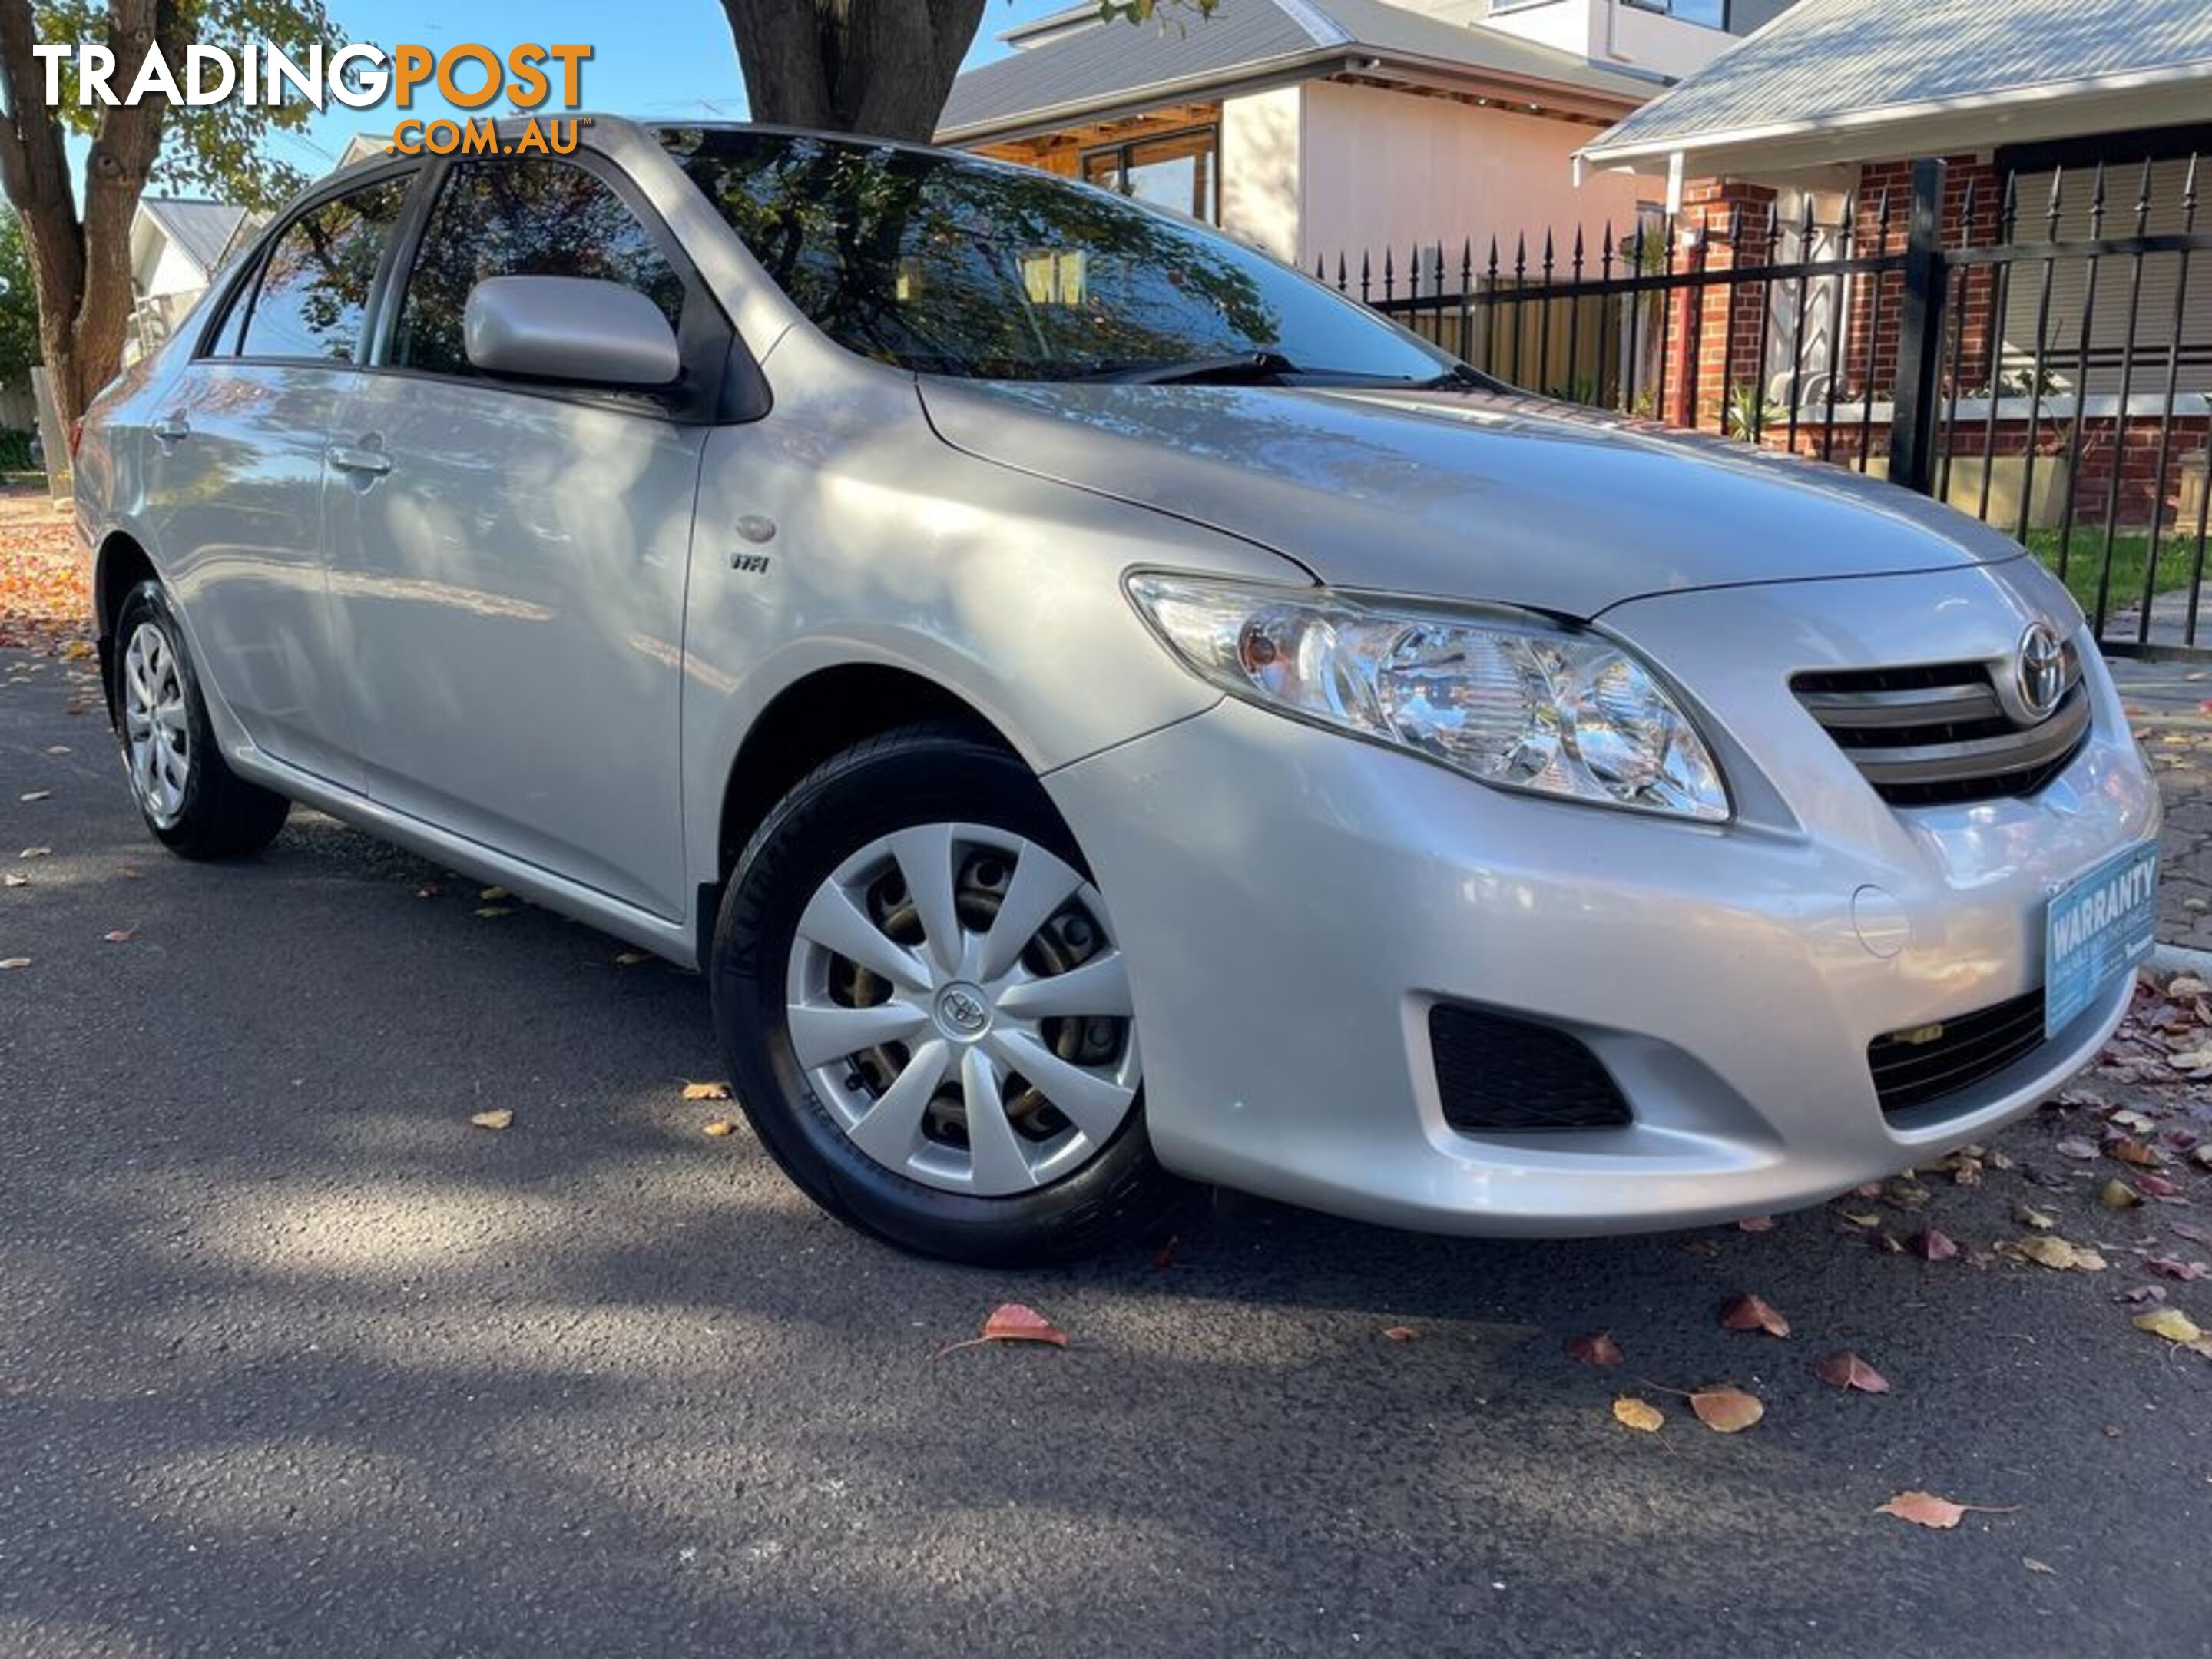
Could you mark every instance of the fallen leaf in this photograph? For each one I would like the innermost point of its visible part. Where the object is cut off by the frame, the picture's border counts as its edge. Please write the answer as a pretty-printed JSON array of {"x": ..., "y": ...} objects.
[
  {"x": 2170, "y": 1267},
  {"x": 1924, "y": 1508},
  {"x": 2157, "y": 1186},
  {"x": 1726, "y": 1409},
  {"x": 64, "y": 749},
  {"x": 2050, "y": 1251},
  {"x": 13, "y": 880},
  {"x": 1886, "y": 1244},
  {"x": 1638, "y": 1414},
  {"x": 1010, "y": 1322},
  {"x": 2171, "y": 1323},
  {"x": 718, "y": 1127},
  {"x": 1399, "y": 1334},
  {"x": 1756, "y": 1223},
  {"x": 120, "y": 936},
  {"x": 1932, "y": 1245},
  {"x": 2142, "y": 1296},
  {"x": 1966, "y": 1171},
  {"x": 2180, "y": 985},
  {"x": 1860, "y": 1218},
  {"x": 2189, "y": 1230},
  {"x": 2034, "y": 1566},
  {"x": 1999, "y": 1159},
  {"x": 1867, "y": 1189},
  {"x": 2126, "y": 1148},
  {"x": 36, "y": 852},
  {"x": 631, "y": 958},
  {"x": 498, "y": 1118},
  {"x": 2195, "y": 1060},
  {"x": 14, "y": 961},
  {"x": 493, "y": 912},
  {"x": 1751, "y": 1313},
  {"x": 2116, "y": 1195},
  {"x": 706, "y": 1091},
  {"x": 1846, "y": 1370},
  {"x": 1597, "y": 1349},
  {"x": 2133, "y": 1121},
  {"x": 1164, "y": 1257},
  {"x": 2075, "y": 1148},
  {"x": 429, "y": 889},
  {"x": 29, "y": 795},
  {"x": 2028, "y": 1216},
  {"x": 493, "y": 895}
]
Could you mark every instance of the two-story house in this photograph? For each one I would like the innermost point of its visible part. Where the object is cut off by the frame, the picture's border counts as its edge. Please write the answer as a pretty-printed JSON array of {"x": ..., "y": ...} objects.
[{"x": 1322, "y": 129}]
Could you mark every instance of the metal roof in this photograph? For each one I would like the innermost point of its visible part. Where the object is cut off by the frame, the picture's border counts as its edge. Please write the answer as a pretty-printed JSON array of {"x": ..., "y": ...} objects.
[
  {"x": 201, "y": 227},
  {"x": 1825, "y": 64},
  {"x": 1116, "y": 65}
]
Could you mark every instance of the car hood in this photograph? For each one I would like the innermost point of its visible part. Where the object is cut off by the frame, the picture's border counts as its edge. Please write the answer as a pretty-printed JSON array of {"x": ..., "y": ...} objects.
[{"x": 1470, "y": 496}]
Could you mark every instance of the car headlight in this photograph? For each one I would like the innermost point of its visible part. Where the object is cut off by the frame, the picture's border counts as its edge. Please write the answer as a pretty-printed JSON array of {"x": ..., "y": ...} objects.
[{"x": 1508, "y": 698}]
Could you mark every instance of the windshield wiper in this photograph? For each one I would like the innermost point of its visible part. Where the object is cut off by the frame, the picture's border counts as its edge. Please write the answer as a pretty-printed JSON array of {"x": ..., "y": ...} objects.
[
  {"x": 1460, "y": 377},
  {"x": 1244, "y": 366}
]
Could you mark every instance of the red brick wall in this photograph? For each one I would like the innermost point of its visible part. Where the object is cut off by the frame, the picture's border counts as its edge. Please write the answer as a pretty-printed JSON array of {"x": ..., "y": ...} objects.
[
  {"x": 2133, "y": 460},
  {"x": 1881, "y": 222}
]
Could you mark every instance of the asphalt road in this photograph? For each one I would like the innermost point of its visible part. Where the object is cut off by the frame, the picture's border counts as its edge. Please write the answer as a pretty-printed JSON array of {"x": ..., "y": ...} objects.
[{"x": 293, "y": 1358}]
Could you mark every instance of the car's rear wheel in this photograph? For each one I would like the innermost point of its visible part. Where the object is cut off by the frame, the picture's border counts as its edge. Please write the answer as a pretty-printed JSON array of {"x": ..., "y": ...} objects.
[
  {"x": 191, "y": 800},
  {"x": 927, "y": 1009}
]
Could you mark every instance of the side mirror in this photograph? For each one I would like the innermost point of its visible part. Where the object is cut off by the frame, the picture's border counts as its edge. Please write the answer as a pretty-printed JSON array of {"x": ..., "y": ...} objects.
[{"x": 569, "y": 328}]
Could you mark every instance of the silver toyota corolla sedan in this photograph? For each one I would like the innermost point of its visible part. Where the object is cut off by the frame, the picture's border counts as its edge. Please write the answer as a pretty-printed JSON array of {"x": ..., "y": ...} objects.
[{"x": 1107, "y": 713}]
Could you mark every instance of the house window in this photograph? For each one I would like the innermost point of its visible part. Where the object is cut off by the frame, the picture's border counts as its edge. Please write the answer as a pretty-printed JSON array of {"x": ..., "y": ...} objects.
[
  {"x": 1706, "y": 14},
  {"x": 1178, "y": 171}
]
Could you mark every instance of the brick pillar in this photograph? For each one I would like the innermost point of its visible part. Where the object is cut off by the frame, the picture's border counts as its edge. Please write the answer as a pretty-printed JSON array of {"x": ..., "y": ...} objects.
[
  {"x": 1713, "y": 339},
  {"x": 1890, "y": 184}
]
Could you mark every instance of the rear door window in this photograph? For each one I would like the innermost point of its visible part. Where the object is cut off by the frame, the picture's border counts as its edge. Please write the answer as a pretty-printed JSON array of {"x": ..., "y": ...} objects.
[{"x": 311, "y": 295}]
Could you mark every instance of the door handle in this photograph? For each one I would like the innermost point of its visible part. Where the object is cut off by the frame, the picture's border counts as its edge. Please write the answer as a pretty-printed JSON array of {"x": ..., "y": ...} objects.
[
  {"x": 173, "y": 429},
  {"x": 374, "y": 463}
]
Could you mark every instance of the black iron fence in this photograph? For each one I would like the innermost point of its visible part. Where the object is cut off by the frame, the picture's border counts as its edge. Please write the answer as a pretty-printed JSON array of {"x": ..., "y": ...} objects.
[{"x": 2036, "y": 350}]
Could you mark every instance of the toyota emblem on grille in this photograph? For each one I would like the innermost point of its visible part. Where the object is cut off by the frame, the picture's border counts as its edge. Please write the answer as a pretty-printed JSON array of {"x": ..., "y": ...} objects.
[{"x": 2040, "y": 671}]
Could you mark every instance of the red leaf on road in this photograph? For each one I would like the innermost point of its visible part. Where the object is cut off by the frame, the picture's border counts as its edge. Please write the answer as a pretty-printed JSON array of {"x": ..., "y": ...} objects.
[
  {"x": 1751, "y": 1313},
  {"x": 1010, "y": 1322},
  {"x": 1598, "y": 1349},
  {"x": 1925, "y": 1508},
  {"x": 2167, "y": 1267},
  {"x": 1756, "y": 1223},
  {"x": 1726, "y": 1409},
  {"x": 1930, "y": 1245},
  {"x": 1846, "y": 1370}
]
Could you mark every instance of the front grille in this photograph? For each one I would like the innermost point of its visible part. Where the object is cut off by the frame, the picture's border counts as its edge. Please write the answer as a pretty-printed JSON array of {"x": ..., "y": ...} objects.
[
  {"x": 1927, "y": 1062},
  {"x": 1497, "y": 1074},
  {"x": 1937, "y": 733}
]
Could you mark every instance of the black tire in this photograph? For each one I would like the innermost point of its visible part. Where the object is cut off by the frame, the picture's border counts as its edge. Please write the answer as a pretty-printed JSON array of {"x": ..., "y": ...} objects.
[
  {"x": 221, "y": 815},
  {"x": 918, "y": 774}
]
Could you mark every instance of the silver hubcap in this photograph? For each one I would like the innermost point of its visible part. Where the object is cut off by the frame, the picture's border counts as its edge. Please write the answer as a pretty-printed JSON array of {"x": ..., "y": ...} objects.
[
  {"x": 958, "y": 999},
  {"x": 155, "y": 732}
]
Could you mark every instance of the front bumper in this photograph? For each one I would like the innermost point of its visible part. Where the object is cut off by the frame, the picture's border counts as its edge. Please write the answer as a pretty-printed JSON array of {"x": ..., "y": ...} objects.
[{"x": 1292, "y": 902}]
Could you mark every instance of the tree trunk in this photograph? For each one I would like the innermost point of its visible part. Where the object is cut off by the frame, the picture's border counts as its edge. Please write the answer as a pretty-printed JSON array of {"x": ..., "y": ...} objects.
[
  {"x": 880, "y": 67},
  {"x": 81, "y": 260}
]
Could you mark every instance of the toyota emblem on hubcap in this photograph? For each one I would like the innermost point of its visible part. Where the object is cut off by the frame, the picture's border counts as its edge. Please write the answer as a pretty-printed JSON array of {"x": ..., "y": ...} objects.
[
  {"x": 2040, "y": 669},
  {"x": 961, "y": 1011}
]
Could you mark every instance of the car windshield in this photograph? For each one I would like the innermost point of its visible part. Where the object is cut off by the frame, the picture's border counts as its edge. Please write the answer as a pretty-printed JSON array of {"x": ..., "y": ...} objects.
[{"x": 947, "y": 265}]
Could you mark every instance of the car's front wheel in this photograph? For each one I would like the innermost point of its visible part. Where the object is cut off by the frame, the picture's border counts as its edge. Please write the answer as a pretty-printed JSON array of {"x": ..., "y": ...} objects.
[
  {"x": 927, "y": 1009},
  {"x": 191, "y": 800}
]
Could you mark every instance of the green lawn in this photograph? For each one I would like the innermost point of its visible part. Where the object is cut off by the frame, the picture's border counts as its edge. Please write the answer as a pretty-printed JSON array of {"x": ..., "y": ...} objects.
[{"x": 2177, "y": 554}]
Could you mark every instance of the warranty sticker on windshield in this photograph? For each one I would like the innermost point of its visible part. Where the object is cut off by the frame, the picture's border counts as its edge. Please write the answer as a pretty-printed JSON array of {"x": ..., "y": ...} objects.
[{"x": 2099, "y": 926}]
